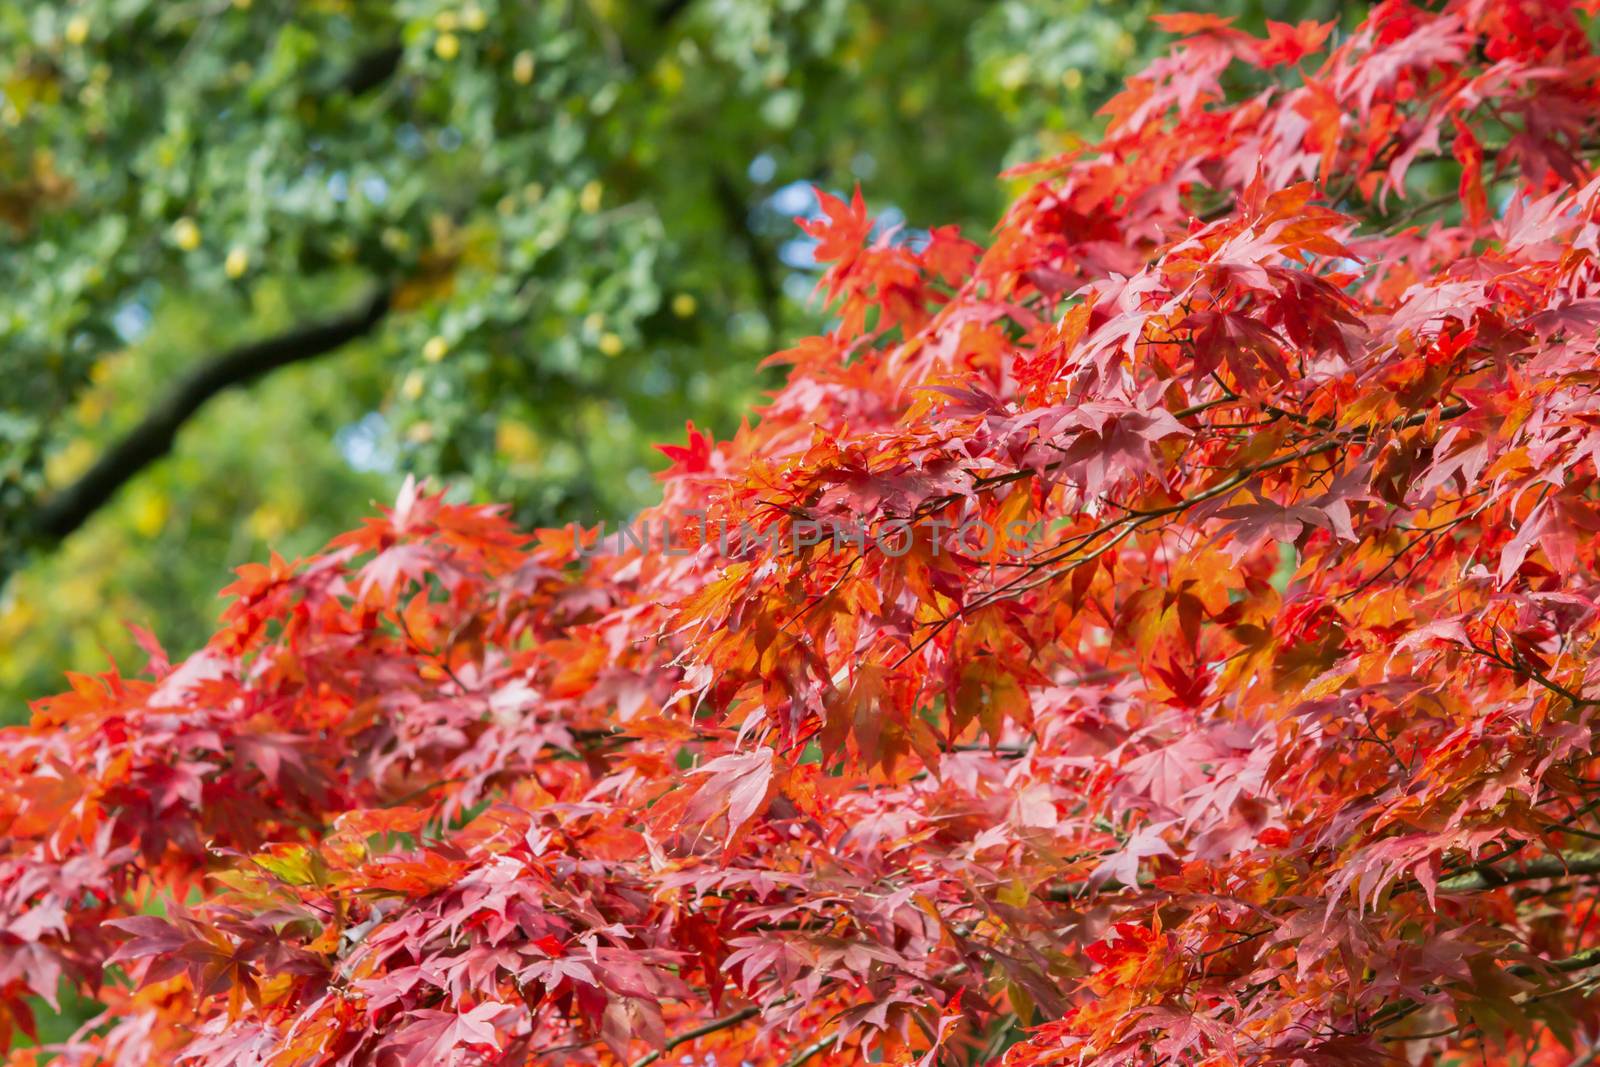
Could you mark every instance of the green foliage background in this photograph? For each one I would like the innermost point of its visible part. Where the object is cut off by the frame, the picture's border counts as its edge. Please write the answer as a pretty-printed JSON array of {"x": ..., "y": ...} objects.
[{"x": 582, "y": 209}]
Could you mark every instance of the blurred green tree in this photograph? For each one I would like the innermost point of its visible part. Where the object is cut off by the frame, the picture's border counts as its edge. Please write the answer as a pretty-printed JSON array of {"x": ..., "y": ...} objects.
[{"x": 508, "y": 244}]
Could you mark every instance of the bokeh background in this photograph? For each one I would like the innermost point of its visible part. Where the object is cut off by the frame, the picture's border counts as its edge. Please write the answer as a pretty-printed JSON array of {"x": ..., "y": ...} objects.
[{"x": 577, "y": 216}]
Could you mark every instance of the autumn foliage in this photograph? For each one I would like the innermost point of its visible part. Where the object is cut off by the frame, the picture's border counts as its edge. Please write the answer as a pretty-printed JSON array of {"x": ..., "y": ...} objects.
[{"x": 1279, "y": 748}]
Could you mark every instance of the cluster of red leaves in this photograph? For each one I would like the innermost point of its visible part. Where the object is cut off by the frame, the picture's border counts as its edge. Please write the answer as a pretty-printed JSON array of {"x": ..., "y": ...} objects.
[{"x": 1279, "y": 748}]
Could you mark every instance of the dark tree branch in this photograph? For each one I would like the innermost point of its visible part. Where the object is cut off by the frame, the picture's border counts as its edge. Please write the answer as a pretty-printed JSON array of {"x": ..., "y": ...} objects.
[
  {"x": 372, "y": 69},
  {"x": 736, "y": 211},
  {"x": 669, "y": 11},
  {"x": 153, "y": 437}
]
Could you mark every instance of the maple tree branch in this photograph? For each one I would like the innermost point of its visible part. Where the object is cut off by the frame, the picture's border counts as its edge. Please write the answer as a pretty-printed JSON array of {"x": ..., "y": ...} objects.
[
  {"x": 700, "y": 1031},
  {"x": 153, "y": 437},
  {"x": 1485, "y": 876},
  {"x": 1241, "y": 941},
  {"x": 440, "y": 657},
  {"x": 1588, "y": 1057},
  {"x": 1413, "y": 212},
  {"x": 1001, "y": 1039},
  {"x": 1488, "y": 862},
  {"x": 1400, "y": 220},
  {"x": 1066, "y": 894},
  {"x": 1430, "y": 536},
  {"x": 1575, "y": 832},
  {"x": 1136, "y": 518},
  {"x": 1517, "y": 664},
  {"x": 1475, "y": 879},
  {"x": 1579, "y": 961},
  {"x": 816, "y": 1048},
  {"x": 1025, "y": 473}
]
